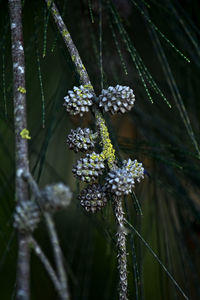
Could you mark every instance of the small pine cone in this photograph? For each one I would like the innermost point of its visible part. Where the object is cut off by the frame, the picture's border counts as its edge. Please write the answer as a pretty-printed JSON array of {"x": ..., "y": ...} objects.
[
  {"x": 93, "y": 198},
  {"x": 26, "y": 216},
  {"x": 79, "y": 100},
  {"x": 117, "y": 99},
  {"x": 55, "y": 197},
  {"x": 119, "y": 181},
  {"x": 135, "y": 168},
  {"x": 81, "y": 139},
  {"x": 89, "y": 167}
]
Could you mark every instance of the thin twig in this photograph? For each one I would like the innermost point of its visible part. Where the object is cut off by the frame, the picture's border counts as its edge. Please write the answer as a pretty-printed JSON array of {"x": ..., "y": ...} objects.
[
  {"x": 32, "y": 184},
  {"x": 121, "y": 248},
  {"x": 64, "y": 293},
  {"x": 157, "y": 258},
  {"x": 57, "y": 255},
  {"x": 21, "y": 147},
  {"x": 84, "y": 78},
  {"x": 38, "y": 251},
  {"x": 117, "y": 203}
]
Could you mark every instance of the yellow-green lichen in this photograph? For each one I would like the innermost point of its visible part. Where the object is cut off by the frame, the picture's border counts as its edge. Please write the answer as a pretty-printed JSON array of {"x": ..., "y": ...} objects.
[
  {"x": 108, "y": 152},
  {"x": 49, "y": 3},
  {"x": 65, "y": 33},
  {"x": 88, "y": 86},
  {"x": 21, "y": 90},
  {"x": 94, "y": 156},
  {"x": 25, "y": 134},
  {"x": 73, "y": 57},
  {"x": 54, "y": 11},
  {"x": 83, "y": 67}
]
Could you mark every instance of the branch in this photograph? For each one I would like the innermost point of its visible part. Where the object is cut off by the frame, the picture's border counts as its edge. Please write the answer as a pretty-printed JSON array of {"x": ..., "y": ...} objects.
[
  {"x": 58, "y": 256},
  {"x": 108, "y": 149},
  {"x": 80, "y": 68},
  {"x": 21, "y": 147},
  {"x": 121, "y": 248},
  {"x": 38, "y": 251},
  {"x": 63, "y": 291}
]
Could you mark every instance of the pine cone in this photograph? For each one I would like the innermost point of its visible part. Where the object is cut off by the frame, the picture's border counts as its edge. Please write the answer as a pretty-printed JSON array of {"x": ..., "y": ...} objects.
[
  {"x": 117, "y": 99},
  {"x": 93, "y": 198},
  {"x": 89, "y": 167},
  {"x": 81, "y": 139},
  {"x": 135, "y": 168},
  {"x": 121, "y": 181},
  {"x": 79, "y": 100},
  {"x": 55, "y": 197},
  {"x": 26, "y": 216}
]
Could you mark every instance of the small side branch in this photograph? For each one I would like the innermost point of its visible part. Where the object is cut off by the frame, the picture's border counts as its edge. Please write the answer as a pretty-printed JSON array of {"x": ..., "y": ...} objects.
[
  {"x": 58, "y": 256},
  {"x": 21, "y": 147},
  {"x": 38, "y": 251},
  {"x": 63, "y": 289},
  {"x": 121, "y": 248}
]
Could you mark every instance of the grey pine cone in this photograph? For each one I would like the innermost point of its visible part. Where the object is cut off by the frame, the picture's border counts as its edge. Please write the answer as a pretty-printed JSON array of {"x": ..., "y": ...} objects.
[
  {"x": 135, "y": 168},
  {"x": 81, "y": 139},
  {"x": 79, "y": 100},
  {"x": 27, "y": 216},
  {"x": 121, "y": 181},
  {"x": 55, "y": 197},
  {"x": 93, "y": 198},
  {"x": 89, "y": 167},
  {"x": 117, "y": 99}
]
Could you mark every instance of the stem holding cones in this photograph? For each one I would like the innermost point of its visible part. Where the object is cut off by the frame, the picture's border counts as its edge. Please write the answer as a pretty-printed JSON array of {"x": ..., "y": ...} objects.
[{"x": 108, "y": 149}]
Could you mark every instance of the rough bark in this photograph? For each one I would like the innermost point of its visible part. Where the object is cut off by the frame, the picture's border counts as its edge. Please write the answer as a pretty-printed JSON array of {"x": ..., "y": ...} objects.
[
  {"x": 21, "y": 147},
  {"x": 121, "y": 248}
]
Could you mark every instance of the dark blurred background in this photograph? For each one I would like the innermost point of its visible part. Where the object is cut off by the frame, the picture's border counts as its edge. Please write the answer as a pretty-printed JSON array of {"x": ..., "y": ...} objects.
[{"x": 145, "y": 45}]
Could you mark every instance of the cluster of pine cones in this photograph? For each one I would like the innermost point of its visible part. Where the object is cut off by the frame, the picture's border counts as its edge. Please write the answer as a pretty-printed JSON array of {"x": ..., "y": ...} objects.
[
  {"x": 27, "y": 214},
  {"x": 119, "y": 180},
  {"x": 119, "y": 99}
]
